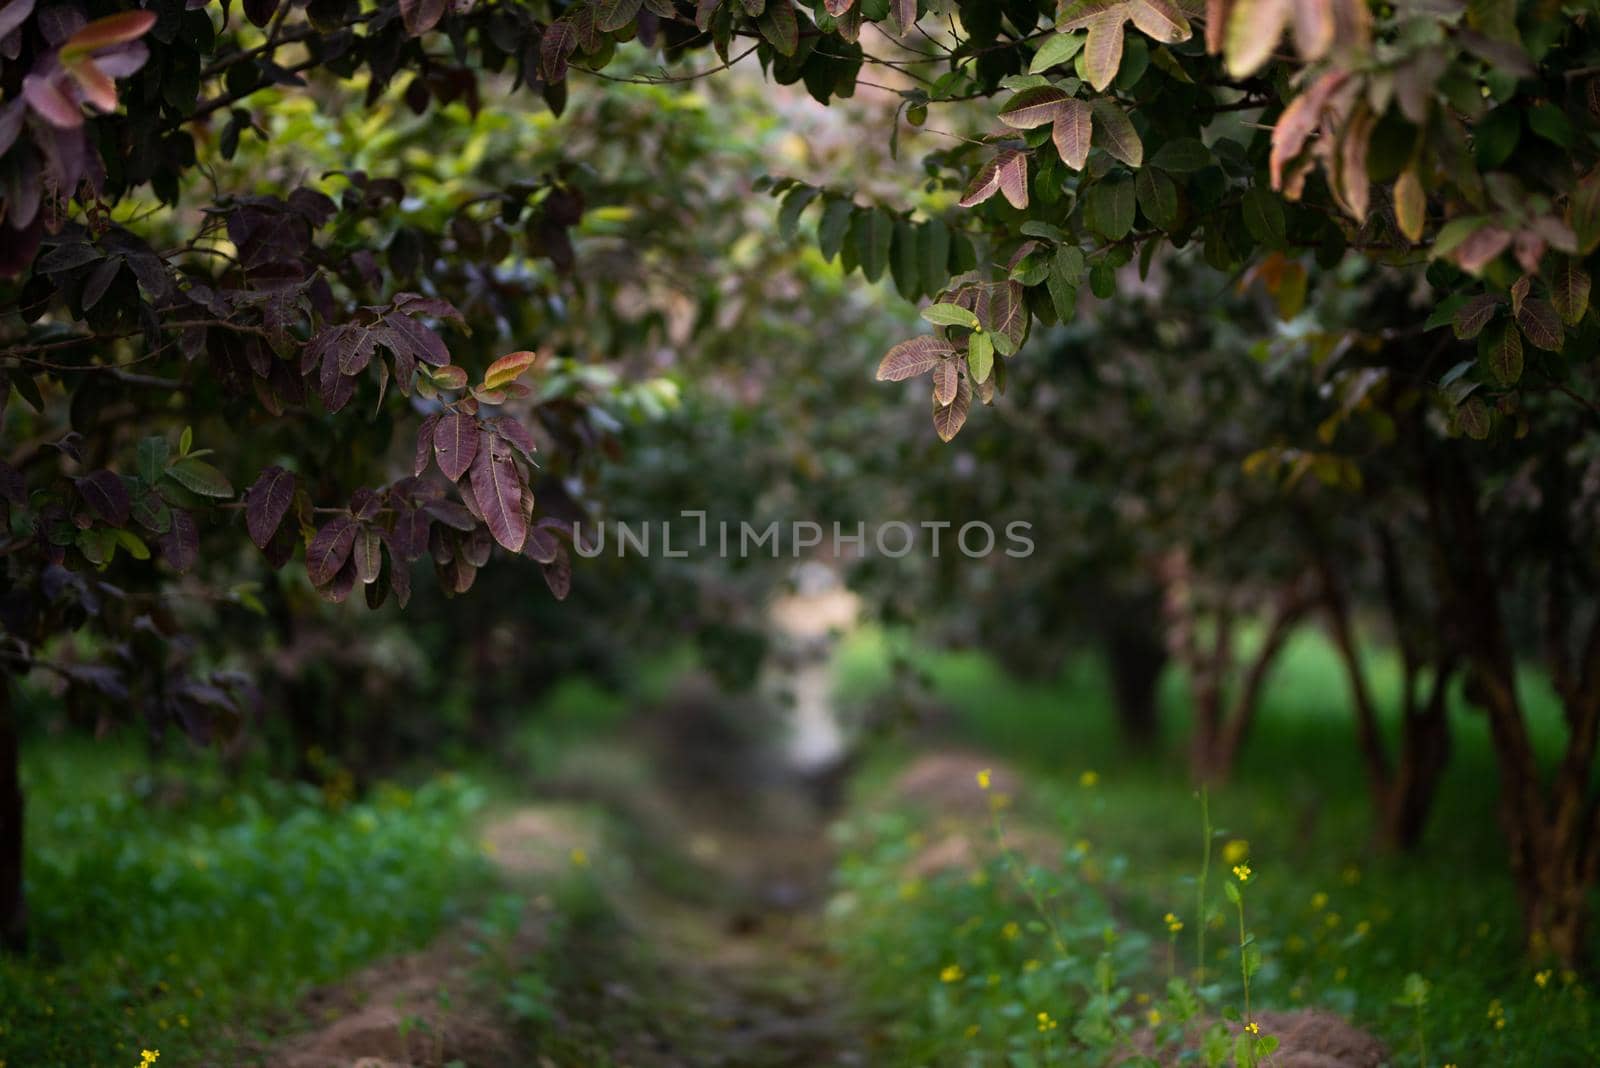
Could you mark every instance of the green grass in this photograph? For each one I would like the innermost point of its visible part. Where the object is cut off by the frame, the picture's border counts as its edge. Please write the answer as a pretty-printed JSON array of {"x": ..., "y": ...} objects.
[
  {"x": 167, "y": 911},
  {"x": 1447, "y": 914}
]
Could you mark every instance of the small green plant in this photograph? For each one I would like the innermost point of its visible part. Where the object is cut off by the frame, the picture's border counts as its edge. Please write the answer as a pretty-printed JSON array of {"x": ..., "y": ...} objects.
[{"x": 1414, "y": 996}]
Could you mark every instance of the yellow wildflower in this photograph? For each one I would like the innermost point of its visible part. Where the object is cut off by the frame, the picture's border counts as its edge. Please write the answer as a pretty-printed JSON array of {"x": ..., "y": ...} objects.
[
  {"x": 1174, "y": 925},
  {"x": 1542, "y": 978},
  {"x": 1253, "y": 1027},
  {"x": 951, "y": 973},
  {"x": 1235, "y": 851},
  {"x": 1154, "y": 1016},
  {"x": 1242, "y": 872},
  {"x": 1319, "y": 901},
  {"x": 148, "y": 1056},
  {"x": 1089, "y": 779},
  {"x": 580, "y": 858},
  {"x": 972, "y": 1030},
  {"x": 1011, "y": 930},
  {"x": 984, "y": 778},
  {"x": 1045, "y": 1022},
  {"x": 1031, "y": 966}
]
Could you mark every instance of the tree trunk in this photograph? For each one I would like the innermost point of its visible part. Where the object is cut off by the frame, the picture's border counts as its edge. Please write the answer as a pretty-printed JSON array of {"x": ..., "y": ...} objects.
[
  {"x": 1135, "y": 657},
  {"x": 1424, "y": 753},
  {"x": 13, "y": 908}
]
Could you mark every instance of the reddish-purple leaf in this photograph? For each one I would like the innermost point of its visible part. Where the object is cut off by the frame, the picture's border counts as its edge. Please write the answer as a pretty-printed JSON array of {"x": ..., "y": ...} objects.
[
  {"x": 1474, "y": 315},
  {"x": 946, "y": 378},
  {"x": 1013, "y": 178},
  {"x": 425, "y": 345},
  {"x": 498, "y": 487},
  {"x": 180, "y": 546},
  {"x": 455, "y": 443},
  {"x": 541, "y": 545},
  {"x": 984, "y": 184},
  {"x": 1034, "y": 107},
  {"x": 105, "y": 495},
  {"x": 45, "y": 96},
  {"x": 514, "y": 432},
  {"x": 558, "y": 573},
  {"x": 424, "y": 444},
  {"x": 367, "y": 551},
  {"x": 400, "y": 577},
  {"x": 365, "y": 504},
  {"x": 14, "y": 14},
  {"x": 560, "y": 40},
  {"x": 266, "y": 503},
  {"x": 1541, "y": 324},
  {"x": 477, "y": 547},
  {"x": 450, "y": 514},
  {"x": 1072, "y": 133},
  {"x": 917, "y": 356},
  {"x": 111, "y": 30},
  {"x": 330, "y": 550},
  {"x": 948, "y": 419},
  {"x": 339, "y": 586},
  {"x": 420, "y": 16}
]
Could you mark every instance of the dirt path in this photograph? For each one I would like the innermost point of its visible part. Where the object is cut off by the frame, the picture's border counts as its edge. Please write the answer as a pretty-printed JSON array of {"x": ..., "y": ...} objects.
[{"x": 681, "y": 932}]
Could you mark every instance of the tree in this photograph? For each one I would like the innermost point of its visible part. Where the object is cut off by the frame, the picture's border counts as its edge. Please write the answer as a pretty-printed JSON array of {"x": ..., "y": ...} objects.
[{"x": 1447, "y": 143}]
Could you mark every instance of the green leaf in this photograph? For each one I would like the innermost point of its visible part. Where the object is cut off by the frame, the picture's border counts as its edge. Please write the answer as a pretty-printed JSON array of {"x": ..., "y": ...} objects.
[
  {"x": 1158, "y": 197},
  {"x": 980, "y": 356},
  {"x": 835, "y": 224},
  {"x": 1108, "y": 208},
  {"x": 186, "y": 441},
  {"x": 935, "y": 246},
  {"x": 152, "y": 459},
  {"x": 794, "y": 202},
  {"x": 134, "y": 544},
  {"x": 905, "y": 263},
  {"x": 1103, "y": 280},
  {"x": 1229, "y": 888},
  {"x": 1068, "y": 264},
  {"x": 777, "y": 24},
  {"x": 1056, "y": 51},
  {"x": 873, "y": 231},
  {"x": 1063, "y": 297},
  {"x": 1114, "y": 132},
  {"x": 1552, "y": 124},
  {"x": 1264, "y": 218},
  {"x": 950, "y": 315},
  {"x": 1495, "y": 137},
  {"x": 197, "y": 476},
  {"x": 1182, "y": 155}
]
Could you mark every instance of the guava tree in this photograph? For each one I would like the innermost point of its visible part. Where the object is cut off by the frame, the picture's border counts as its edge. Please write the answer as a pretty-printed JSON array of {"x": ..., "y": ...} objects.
[{"x": 1448, "y": 142}]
